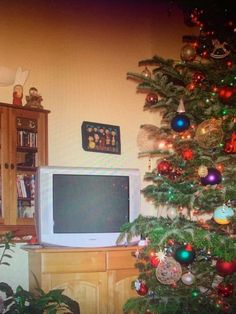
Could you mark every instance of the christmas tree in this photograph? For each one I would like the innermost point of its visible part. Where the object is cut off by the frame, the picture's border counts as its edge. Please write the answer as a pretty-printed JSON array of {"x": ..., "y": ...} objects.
[{"x": 188, "y": 264}]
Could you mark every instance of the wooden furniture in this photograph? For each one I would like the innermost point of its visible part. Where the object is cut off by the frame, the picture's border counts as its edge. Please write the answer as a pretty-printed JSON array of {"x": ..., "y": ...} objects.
[
  {"x": 98, "y": 278},
  {"x": 23, "y": 147}
]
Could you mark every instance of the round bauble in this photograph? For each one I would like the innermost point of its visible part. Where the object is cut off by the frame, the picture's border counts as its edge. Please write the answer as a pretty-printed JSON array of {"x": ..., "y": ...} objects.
[
  {"x": 184, "y": 255},
  {"x": 164, "y": 167},
  {"x": 223, "y": 214},
  {"x": 172, "y": 212},
  {"x": 187, "y": 154},
  {"x": 188, "y": 53},
  {"x": 141, "y": 288},
  {"x": 151, "y": 99},
  {"x": 225, "y": 268},
  {"x": 168, "y": 271},
  {"x": 180, "y": 123},
  {"x": 209, "y": 133},
  {"x": 225, "y": 289},
  {"x": 188, "y": 278},
  {"x": 213, "y": 177},
  {"x": 154, "y": 261}
]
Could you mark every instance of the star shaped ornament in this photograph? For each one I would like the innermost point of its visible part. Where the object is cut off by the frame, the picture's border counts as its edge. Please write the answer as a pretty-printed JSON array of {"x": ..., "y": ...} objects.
[{"x": 161, "y": 255}]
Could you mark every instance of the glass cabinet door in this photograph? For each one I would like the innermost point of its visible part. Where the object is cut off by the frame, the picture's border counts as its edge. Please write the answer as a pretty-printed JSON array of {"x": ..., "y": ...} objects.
[{"x": 26, "y": 163}]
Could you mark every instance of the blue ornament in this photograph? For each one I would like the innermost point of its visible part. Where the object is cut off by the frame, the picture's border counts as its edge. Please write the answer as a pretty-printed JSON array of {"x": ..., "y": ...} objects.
[
  {"x": 180, "y": 123},
  {"x": 213, "y": 177},
  {"x": 222, "y": 215}
]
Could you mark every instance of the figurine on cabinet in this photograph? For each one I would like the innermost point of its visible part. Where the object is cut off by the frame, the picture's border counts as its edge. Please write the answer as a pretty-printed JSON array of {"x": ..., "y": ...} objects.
[
  {"x": 17, "y": 95},
  {"x": 34, "y": 99}
]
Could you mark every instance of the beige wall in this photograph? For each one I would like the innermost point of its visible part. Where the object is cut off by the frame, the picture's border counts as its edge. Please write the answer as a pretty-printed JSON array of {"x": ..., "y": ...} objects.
[{"x": 78, "y": 54}]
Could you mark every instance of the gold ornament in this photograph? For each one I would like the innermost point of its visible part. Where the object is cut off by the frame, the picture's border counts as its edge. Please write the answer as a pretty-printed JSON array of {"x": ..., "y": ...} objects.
[
  {"x": 202, "y": 171},
  {"x": 168, "y": 271},
  {"x": 188, "y": 53},
  {"x": 209, "y": 133}
]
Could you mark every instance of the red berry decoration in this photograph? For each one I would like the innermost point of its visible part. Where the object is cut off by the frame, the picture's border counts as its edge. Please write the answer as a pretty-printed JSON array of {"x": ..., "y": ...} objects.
[
  {"x": 225, "y": 268},
  {"x": 164, "y": 167},
  {"x": 225, "y": 289}
]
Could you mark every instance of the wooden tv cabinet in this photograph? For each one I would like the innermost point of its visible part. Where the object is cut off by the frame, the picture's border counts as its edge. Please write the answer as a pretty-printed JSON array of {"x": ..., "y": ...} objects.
[{"x": 98, "y": 278}]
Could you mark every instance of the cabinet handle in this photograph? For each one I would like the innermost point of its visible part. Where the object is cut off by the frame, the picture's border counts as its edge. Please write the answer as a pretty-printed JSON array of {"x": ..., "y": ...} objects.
[
  {"x": 6, "y": 165},
  {"x": 12, "y": 166}
]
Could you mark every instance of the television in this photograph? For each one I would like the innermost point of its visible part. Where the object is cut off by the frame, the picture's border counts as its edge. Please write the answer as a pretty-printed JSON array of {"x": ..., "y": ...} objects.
[{"x": 84, "y": 206}]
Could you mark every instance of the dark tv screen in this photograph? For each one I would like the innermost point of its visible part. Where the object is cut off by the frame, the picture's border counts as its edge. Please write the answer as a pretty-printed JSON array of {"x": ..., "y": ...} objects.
[{"x": 90, "y": 203}]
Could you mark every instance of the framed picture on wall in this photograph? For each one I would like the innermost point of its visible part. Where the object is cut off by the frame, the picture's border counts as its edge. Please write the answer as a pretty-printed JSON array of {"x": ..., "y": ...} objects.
[{"x": 101, "y": 138}]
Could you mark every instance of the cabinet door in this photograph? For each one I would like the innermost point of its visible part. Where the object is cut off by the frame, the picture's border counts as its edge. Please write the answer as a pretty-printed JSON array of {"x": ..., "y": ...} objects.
[
  {"x": 88, "y": 289},
  {"x": 5, "y": 187},
  {"x": 119, "y": 289},
  {"x": 25, "y": 156},
  {"x": 23, "y": 147}
]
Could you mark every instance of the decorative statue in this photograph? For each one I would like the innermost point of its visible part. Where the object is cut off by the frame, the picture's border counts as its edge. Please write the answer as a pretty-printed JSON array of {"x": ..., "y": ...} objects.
[
  {"x": 34, "y": 99},
  {"x": 17, "y": 95}
]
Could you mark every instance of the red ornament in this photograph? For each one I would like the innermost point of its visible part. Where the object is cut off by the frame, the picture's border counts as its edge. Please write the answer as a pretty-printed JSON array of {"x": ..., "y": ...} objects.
[
  {"x": 151, "y": 99},
  {"x": 198, "y": 78},
  {"x": 187, "y": 154},
  {"x": 154, "y": 261},
  {"x": 225, "y": 289},
  {"x": 225, "y": 268},
  {"x": 191, "y": 87},
  {"x": 230, "y": 144},
  {"x": 143, "y": 289},
  {"x": 164, "y": 167},
  {"x": 225, "y": 92}
]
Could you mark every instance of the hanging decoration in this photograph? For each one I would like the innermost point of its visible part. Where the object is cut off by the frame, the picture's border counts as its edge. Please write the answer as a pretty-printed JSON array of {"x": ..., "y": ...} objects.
[
  {"x": 209, "y": 133},
  {"x": 230, "y": 145},
  {"x": 225, "y": 268},
  {"x": 185, "y": 254},
  {"x": 188, "y": 278},
  {"x": 188, "y": 52},
  {"x": 168, "y": 271},
  {"x": 141, "y": 287},
  {"x": 180, "y": 123},
  {"x": 220, "y": 50},
  {"x": 187, "y": 154},
  {"x": 213, "y": 177},
  {"x": 164, "y": 167},
  {"x": 151, "y": 99},
  {"x": 225, "y": 289},
  {"x": 223, "y": 214},
  {"x": 202, "y": 171}
]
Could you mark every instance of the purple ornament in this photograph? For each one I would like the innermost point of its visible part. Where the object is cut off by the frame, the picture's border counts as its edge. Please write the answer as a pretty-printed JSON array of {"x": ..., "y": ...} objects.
[{"x": 213, "y": 177}]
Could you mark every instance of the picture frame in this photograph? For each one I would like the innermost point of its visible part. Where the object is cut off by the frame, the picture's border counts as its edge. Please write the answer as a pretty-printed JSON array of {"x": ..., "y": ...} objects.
[{"x": 101, "y": 138}]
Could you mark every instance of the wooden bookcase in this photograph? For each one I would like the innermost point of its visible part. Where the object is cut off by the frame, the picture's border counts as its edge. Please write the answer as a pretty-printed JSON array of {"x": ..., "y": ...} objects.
[
  {"x": 23, "y": 147},
  {"x": 99, "y": 279}
]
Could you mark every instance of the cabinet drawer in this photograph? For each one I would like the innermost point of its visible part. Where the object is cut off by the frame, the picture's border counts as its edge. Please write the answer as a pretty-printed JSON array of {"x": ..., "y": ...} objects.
[
  {"x": 120, "y": 259},
  {"x": 73, "y": 262}
]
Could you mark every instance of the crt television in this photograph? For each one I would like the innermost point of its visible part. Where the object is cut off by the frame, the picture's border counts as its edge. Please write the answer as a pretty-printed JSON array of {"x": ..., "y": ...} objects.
[{"x": 84, "y": 207}]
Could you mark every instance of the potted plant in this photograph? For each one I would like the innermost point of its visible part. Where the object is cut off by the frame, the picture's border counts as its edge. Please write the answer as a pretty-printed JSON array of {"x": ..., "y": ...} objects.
[{"x": 25, "y": 302}]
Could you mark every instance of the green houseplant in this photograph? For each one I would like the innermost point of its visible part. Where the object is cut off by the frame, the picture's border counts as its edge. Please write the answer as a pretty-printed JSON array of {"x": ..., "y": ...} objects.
[{"x": 22, "y": 301}]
